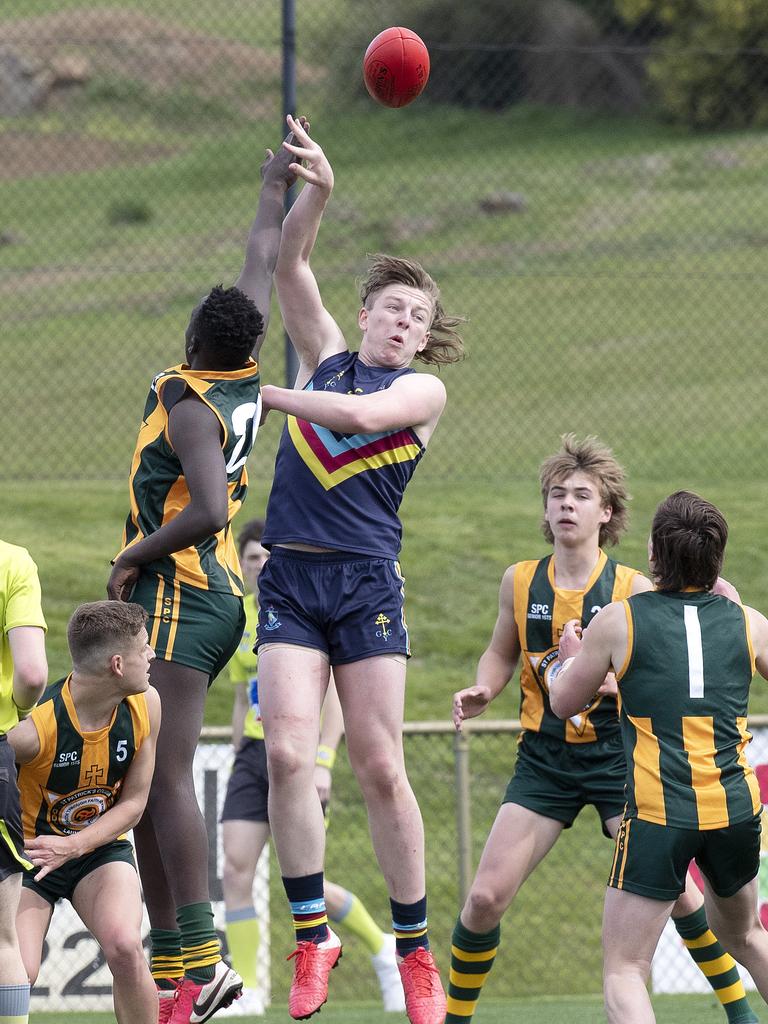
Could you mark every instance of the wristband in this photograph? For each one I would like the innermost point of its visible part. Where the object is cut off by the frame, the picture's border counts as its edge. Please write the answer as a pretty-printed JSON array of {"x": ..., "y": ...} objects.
[
  {"x": 23, "y": 712},
  {"x": 326, "y": 757}
]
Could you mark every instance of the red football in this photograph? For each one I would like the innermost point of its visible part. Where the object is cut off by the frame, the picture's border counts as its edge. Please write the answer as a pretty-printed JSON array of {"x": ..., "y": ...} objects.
[{"x": 396, "y": 67}]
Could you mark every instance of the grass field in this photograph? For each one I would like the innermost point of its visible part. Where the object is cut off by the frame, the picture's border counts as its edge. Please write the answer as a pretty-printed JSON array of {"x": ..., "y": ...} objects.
[
  {"x": 586, "y": 1010},
  {"x": 624, "y": 298}
]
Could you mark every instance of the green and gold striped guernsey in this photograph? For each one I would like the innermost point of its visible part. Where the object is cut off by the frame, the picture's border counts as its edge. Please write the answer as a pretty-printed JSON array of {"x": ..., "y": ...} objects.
[
  {"x": 159, "y": 490},
  {"x": 541, "y": 611},
  {"x": 77, "y": 776},
  {"x": 683, "y": 692}
]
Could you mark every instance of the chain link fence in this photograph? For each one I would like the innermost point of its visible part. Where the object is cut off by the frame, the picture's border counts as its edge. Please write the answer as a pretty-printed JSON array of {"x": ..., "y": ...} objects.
[
  {"x": 586, "y": 180},
  {"x": 459, "y": 782}
]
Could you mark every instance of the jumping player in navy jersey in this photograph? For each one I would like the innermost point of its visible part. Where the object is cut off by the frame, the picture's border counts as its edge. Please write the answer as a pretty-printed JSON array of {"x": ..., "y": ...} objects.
[{"x": 331, "y": 594}]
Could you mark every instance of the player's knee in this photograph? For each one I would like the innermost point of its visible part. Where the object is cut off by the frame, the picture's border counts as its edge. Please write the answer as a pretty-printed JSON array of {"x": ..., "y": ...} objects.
[
  {"x": 287, "y": 760},
  {"x": 381, "y": 777},
  {"x": 486, "y": 904},
  {"x": 236, "y": 873},
  {"x": 123, "y": 951}
]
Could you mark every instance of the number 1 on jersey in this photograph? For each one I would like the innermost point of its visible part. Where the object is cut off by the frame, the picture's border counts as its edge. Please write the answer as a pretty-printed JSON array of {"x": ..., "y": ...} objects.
[{"x": 695, "y": 651}]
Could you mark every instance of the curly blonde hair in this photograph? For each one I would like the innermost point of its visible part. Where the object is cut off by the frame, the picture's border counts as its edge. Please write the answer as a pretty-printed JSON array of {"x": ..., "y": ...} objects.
[
  {"x": 444, "y": 343},
  {"x": 596, "y": 459}
]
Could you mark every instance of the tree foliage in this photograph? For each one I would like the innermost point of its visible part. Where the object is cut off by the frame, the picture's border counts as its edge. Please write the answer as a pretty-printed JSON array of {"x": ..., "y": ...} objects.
[{"x": 710, "y": 64}]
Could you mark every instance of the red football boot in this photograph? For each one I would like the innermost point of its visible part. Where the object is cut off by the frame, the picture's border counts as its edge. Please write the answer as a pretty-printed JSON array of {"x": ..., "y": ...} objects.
[
  {"x": 166, "y": 1002},
  {"x": 312, "y": 967},
  {"x": 424, "y": 994},
  {"x": 196, "y": 1004}
]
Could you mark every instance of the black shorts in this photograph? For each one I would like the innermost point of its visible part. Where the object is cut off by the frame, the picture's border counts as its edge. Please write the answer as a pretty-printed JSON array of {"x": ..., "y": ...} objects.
[
  {"x": 12, "y": 859},
  {"x": 652, "y": 860},
  {"x": 62, "y": 882},
  {"x": 557, "y": 779},
  {"x": 248, "y": 786}
]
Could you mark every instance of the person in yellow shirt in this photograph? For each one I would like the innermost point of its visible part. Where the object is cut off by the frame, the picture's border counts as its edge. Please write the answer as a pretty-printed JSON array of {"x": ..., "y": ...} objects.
[
  {"x": 245, "y": 818},
  {"x": 23, "y": 674}
]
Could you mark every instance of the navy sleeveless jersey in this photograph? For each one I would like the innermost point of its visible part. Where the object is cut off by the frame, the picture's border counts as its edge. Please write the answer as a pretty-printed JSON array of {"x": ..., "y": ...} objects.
[{"x": 342, "y": 491}]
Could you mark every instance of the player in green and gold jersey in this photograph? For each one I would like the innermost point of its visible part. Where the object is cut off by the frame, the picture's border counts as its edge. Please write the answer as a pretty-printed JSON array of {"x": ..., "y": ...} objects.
[
  {"x": 178, "y": 560},
  {"x": 23, "y": 674},
  {"x": 562, "y": 766},
  {"x": 86, "y": 755},
  {"x": 684, "y": 657}
]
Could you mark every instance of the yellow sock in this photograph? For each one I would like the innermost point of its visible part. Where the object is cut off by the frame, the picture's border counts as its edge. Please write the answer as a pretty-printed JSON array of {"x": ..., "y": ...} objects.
[
  {"x": 242, "y": 928},
  {"x": 356, "y": 918}
]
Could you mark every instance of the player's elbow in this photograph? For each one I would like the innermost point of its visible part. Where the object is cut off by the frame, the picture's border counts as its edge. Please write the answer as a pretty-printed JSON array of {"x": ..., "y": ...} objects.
[
  {"x": 31, "y": 675},
  {"x": 558, "y": 701}
]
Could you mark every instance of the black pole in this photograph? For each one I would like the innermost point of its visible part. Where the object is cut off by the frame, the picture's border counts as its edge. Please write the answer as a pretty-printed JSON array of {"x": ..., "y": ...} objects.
[{"x": 289, "y": 107}]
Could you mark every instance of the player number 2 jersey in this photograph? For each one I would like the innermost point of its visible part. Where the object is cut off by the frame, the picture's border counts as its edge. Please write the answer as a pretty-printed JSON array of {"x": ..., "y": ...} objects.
[
  {"x": 77, "y": 775},
  {"x": 157, "y": 485},
  {"x": 541, "y": 611},
  {"x": 684, "y": 689}
]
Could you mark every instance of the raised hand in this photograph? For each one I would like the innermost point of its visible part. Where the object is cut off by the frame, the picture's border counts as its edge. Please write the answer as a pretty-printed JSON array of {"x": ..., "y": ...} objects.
[
  {"x": 313, "y": 167},
  {"x": 277, "y": 166}
]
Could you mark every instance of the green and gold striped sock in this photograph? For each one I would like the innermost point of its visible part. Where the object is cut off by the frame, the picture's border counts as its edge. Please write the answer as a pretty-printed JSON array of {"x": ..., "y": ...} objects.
[
  {"x": 200, "y": 947},
  {"x": 165, "y": 963},
  {"x": 717, "y": 965},
  {"x": 472, "y": 957}
]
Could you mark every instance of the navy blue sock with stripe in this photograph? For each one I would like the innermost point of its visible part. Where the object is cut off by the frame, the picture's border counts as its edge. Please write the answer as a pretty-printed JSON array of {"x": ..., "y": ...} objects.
[
  {"x": 409, "y": 923},
  {"x": 305, "y": 895}
]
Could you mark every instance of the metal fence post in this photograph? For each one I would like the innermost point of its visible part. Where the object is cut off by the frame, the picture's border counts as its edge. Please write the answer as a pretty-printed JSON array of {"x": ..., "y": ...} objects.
[{"x": 463, "y": 813}]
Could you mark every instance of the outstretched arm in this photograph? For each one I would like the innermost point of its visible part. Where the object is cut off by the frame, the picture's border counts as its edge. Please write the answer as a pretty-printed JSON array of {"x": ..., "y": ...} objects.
[
  {"x": 264, "y": 236},
  {"x": 416, "y": 400},
  {"x": 50, "y": 852},
  {"x": 195, "y": 434},
  {"x": 499, "y": 660},
  {"x": 312, "y": 329}
]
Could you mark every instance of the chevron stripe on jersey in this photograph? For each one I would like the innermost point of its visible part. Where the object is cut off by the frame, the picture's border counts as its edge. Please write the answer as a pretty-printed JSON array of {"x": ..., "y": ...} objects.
[
  {"x": 342, "y": 491},
  {"x": 159, "y": 491},
  {"x": 77, "y": 775},
  {"x": 684, "y": 689},
  {"x": 541, "y": 611}
]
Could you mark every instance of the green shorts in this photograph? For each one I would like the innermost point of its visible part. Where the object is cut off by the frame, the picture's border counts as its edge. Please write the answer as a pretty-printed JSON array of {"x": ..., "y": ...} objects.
[
  {"x": 190, "y": 626},
  {"x": 652, "y": 860},
  {"x": 62, "y": 882},
  {"x": 557, "y": 779}
]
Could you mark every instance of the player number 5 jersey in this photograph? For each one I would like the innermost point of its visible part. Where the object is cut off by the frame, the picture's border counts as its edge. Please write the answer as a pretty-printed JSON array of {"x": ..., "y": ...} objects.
[{"x": 77, "y": 776}]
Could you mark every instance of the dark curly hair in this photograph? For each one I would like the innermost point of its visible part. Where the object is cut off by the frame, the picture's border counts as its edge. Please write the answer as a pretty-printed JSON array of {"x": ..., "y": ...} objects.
[{"x": 226, "y": 324}]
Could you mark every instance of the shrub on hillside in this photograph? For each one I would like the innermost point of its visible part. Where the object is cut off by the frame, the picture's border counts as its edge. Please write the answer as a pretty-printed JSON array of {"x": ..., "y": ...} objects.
[{"x": 710, "y": 68}]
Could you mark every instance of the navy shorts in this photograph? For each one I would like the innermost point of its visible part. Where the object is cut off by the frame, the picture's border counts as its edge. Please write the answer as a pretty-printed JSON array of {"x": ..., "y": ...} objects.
[
  {"x": 248, "y": 786},
  {"x": 346, "y": 605},
  {"x": 12, "y": 859}
]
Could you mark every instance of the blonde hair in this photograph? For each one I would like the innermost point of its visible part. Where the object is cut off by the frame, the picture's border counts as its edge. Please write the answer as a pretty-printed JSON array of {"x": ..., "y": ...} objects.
[
  {"x": 444, "y": 343},
  {"x": 596, "y": 459}
]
